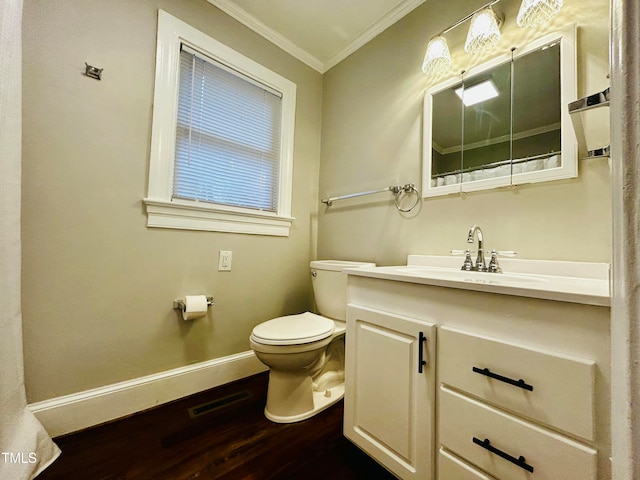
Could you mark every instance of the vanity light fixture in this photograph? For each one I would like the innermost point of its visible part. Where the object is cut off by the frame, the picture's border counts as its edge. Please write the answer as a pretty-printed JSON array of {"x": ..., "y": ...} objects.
[
  {"x": 485, "y": 24},
  {"x": 537, "y": 12},
  {"x": 437, "y": 60},
  {"x": 477, "y": 93},
  {"x": 484, "y": 31}
]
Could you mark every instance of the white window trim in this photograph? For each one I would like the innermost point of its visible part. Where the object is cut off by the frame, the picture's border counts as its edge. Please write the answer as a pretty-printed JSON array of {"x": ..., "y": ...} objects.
[{"x": 162, "y": 210}]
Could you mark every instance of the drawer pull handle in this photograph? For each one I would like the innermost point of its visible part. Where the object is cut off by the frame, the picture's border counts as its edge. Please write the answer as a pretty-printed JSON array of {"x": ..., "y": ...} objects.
[
  {"x": 518, "y": 383},
  {"x": 421, "y": 361},
  {"x": 520, "y": 461}
]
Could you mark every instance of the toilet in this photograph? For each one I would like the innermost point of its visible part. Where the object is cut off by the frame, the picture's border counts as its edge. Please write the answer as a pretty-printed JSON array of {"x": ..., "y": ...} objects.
[{"x": 305, "y": 352}]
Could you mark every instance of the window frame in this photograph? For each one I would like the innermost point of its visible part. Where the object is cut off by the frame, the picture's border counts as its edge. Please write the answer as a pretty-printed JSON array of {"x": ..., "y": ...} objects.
[{"x": 166, "y": 212}]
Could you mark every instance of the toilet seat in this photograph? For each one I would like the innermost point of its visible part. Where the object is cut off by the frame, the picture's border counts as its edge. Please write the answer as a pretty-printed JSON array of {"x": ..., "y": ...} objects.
[{"x": 293, "y": 330}]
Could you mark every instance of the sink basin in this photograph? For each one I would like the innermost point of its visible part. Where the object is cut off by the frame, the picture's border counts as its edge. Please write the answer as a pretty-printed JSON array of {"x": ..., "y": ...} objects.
[
  {"x": 578, "y": 282},
  {"x": 472, "y": 277}
]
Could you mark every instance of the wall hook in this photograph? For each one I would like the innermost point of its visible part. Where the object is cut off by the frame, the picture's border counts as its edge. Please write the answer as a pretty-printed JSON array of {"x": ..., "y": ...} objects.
[{"x": 93, "y": 72}]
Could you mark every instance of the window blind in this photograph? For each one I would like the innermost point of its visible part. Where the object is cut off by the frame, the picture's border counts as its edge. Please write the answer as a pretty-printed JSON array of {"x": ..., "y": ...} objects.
[{"x": 227, "y": 136}]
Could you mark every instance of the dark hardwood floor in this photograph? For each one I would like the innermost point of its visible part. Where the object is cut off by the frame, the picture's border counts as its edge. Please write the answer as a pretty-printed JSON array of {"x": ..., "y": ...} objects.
[{"x": 228, "y": 439}]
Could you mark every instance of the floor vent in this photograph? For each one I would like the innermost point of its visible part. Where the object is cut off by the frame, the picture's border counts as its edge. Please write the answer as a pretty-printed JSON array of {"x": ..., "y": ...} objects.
[{"x": 218, "y": 404}]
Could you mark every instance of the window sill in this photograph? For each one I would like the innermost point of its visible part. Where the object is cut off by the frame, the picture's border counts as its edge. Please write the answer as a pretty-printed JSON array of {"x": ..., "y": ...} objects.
[{"x": 164, "y": 214}]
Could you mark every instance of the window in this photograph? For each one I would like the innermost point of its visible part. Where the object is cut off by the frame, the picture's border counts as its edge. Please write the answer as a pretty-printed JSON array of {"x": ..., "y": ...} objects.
[{"x": 222, "y": 138}]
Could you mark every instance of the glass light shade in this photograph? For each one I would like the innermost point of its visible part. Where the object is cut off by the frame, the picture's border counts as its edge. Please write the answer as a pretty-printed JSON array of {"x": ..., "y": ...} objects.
[
  {"x": 437, "y": 60},
  {"x": 537, "y": 12},
  {"x": 484, "y": 32}
]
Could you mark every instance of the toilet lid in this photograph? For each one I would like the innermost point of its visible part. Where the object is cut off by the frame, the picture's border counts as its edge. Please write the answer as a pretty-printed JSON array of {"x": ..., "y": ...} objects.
[{"x": 293, "y": 329}]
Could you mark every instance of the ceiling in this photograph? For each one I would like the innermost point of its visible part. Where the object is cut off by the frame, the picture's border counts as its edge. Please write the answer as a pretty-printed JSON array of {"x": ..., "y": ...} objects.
[{"x": 320, "y": 33}]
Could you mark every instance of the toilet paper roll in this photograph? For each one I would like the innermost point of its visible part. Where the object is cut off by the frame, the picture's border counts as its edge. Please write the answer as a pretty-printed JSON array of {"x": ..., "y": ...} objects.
[{"x": 195, "y": 306}]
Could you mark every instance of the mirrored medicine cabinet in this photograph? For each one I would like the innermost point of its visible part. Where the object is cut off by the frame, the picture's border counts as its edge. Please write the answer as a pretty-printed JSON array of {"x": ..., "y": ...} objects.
[{"x": 505, "y": 122}]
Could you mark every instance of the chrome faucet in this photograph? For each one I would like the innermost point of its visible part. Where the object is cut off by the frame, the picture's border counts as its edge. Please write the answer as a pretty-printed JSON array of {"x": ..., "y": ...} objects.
[{"x": 480, "y": 265}]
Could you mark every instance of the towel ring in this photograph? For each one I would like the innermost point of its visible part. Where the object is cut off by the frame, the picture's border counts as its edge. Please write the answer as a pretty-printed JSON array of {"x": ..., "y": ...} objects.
[{"x": 406, "y": 189}]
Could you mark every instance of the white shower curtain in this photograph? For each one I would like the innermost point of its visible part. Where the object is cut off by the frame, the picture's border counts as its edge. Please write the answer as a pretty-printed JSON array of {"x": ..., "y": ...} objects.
[{"x": 25, "y": 447}]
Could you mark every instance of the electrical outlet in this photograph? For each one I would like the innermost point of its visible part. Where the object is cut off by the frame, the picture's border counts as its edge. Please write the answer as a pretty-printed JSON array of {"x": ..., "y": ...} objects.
[{"x": 224, "y": 261}]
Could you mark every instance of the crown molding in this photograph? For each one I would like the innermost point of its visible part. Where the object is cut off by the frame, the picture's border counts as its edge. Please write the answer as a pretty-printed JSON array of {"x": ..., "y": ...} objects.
[
  {"x": 251, "y": 22},
  {"x": 376, "y": 29},
  {"x": 248, "y": 20}
]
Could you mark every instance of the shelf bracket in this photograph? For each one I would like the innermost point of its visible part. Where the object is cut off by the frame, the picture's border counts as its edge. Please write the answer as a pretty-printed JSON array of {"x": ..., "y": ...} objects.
[{"x": 576, "y": 109}]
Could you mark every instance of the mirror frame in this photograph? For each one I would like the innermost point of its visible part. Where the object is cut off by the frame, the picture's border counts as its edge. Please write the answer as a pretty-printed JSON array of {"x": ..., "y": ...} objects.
[{"x": 568, "y": 93}]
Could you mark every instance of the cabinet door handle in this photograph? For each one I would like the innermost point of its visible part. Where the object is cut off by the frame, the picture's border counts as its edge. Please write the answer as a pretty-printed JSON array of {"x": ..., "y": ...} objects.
[
  {"x": 421, "y": 361},
  {"x": 520, "y": 461},
  {"x": 517, "y": 383}
]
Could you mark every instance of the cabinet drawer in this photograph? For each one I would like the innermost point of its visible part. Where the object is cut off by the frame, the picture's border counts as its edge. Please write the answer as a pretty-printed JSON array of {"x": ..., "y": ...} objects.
[
  {"x": 451, "y": 467},
  {"x": 516, "y": 449},
  {"x": 557, "y": 390}
]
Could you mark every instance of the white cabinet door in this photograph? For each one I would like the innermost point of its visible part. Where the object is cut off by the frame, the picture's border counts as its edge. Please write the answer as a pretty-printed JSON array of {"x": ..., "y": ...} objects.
[{"x": 389, "y": 390}]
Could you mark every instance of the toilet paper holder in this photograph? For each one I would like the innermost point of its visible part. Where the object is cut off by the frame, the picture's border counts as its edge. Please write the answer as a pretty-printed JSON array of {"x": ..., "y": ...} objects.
[{"x": 180, "y": 305}]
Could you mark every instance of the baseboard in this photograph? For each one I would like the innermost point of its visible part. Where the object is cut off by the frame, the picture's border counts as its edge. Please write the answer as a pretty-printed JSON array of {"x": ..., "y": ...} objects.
[{"x": 78, "y": 411}]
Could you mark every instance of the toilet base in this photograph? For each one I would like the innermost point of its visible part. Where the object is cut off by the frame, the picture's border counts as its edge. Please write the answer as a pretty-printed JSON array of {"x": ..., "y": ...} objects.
[
  {"x": 320, "y": 402},
  {"x": 295, "y": 394}
]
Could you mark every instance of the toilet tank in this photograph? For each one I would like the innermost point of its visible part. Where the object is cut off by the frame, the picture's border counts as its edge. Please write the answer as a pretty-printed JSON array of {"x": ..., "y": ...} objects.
[{"x": 330, "y": 286}]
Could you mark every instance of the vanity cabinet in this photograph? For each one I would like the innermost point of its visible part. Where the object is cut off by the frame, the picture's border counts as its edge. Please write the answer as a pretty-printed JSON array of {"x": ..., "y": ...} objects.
[
  {"x": 521, "y": 383},
  {"x": 390, "y": 380}
]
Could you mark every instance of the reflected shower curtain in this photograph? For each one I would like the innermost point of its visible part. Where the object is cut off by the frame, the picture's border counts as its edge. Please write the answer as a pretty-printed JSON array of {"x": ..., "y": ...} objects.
[{"x": 25, "y": 447}]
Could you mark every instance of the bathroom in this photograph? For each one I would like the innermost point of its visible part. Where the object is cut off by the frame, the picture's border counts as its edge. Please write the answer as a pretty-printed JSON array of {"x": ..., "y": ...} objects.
[{"x": 98, "y": 283}]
